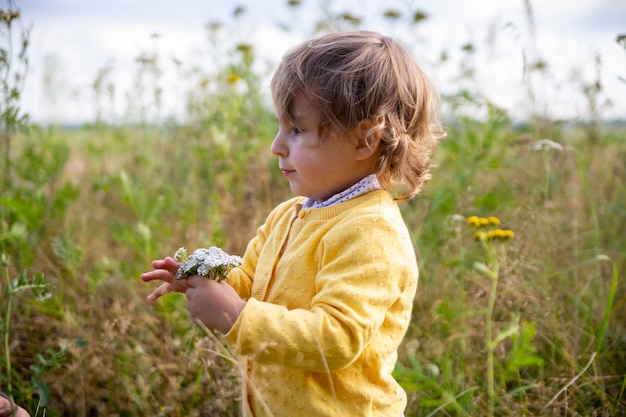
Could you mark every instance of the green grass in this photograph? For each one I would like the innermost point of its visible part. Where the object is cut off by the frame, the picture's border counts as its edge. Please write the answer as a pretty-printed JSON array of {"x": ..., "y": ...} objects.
[
  {"x": 83, "y": 212},
  {"x": 560, "y": 277}
]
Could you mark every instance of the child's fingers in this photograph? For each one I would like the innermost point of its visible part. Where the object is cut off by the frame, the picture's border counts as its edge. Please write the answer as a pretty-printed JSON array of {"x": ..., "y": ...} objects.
[
  {"x": 169, "y": 264},
  {"x": 160, "y": 292},
  {"x": 196, "y": 280},
  {"x": 158, "y": 264},
  {"x": 157, "y": 274},
  {"x": 164, "y": 270}
]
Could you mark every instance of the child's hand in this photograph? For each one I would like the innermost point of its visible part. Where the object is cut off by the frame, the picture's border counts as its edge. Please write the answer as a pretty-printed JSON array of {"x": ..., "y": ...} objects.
[
  {"x": 164, "y": 270},
  {"x": 7, "y": 410},
  {"x": 216, "y": 304}
]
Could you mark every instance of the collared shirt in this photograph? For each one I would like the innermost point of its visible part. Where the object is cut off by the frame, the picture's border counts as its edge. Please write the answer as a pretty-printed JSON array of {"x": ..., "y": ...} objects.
[{"x": 367, "y": 184}]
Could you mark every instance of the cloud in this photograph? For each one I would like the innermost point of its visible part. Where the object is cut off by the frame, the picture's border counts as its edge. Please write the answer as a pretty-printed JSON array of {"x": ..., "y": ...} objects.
[{"x": 87, "y": 35}]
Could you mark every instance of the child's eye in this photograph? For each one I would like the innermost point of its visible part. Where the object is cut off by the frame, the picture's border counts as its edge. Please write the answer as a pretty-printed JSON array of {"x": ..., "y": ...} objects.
[{"x": 296, "y": 131}]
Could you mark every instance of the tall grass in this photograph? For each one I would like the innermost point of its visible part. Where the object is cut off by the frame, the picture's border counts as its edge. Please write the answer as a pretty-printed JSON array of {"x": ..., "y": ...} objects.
[
  {"x": 557, "y": 277},
  {"x": 86, "y": 210}
]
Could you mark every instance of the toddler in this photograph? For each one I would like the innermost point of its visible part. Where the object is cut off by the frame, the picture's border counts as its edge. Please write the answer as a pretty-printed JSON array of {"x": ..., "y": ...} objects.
[{"x": 323, "y": 297}]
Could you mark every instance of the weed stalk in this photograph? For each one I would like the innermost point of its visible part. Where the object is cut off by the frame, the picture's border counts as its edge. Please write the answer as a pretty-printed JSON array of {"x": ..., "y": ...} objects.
[
  {"x": 7, "y": 323},
  {"x": 40, "y": 290},
  {"x": 491, "y": 241},
  {"x": 492, "y": 271}
]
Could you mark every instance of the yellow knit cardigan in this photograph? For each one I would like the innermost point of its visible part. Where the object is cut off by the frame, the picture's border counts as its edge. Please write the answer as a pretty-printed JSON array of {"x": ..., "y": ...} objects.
[{"x": 329, "y": 295}]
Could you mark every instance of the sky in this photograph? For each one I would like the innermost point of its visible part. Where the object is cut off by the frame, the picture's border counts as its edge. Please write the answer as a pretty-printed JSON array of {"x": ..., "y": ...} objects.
[{"x": 72, "y": 40}]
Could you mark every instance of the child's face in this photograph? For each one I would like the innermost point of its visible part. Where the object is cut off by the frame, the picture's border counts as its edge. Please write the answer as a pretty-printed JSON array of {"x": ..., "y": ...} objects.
[{"x": 315, "y": 168}]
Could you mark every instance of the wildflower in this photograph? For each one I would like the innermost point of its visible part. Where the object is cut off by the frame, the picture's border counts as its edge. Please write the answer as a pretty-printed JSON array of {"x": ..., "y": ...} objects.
[
  {"x": 419, "y": 16},
  {"x": 480, "y": 235},
  {"x": 486, "y": 230},
  {"x": 473, "y": 221},
  {"x": 497, "y": 234},
  {"x": 493, "y": 220},
  {"x": 233, "y": 78},
  {"x": 456, "y": 218},
  {"x": 500, "y": 234},
  {"x": 244, "y": 48},
  {"x": 181, "y": 255},
  {"x": 144, "y": 231},
  {"x": 212, "y": 263},
  {"x": 350, "y": 18},
  {"x": 547, "y": 145},
  {"x": 392, "y": 14},
  {"x": 481, "y": 222},
  {"x": 508, "y": 234}
]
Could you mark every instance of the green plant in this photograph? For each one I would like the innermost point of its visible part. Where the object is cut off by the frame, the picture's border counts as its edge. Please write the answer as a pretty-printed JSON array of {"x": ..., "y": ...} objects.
[
  {"x": 13, "y": 68},
  {"x": 9, "y": 289},
  {"x": 443, "y": 385},
  {"x": 493, "y": 241},
  {"x": 546, "y": 147}
]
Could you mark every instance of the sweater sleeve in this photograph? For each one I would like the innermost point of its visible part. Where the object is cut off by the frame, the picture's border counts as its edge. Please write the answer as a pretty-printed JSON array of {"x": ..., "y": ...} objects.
[
  {"x": 368, "y": 270},
  {"x": 241, "y": 278}
]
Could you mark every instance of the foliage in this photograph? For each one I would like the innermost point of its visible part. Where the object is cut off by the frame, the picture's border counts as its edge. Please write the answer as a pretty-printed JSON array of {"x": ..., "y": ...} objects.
[{"x": 536, "y": 329}]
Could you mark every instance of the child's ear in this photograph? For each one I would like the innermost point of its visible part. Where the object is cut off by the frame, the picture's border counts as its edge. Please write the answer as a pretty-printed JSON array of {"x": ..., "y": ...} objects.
[{"x": 368, "y": 142}]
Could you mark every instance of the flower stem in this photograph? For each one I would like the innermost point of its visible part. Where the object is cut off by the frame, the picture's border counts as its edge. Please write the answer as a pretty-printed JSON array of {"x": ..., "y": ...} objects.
[
  {"x": 7, "y": 326},
  {"x": 490, "y": 344},
  {"x": 546, "y": 163},
  {"x": 491, "y": 392}
]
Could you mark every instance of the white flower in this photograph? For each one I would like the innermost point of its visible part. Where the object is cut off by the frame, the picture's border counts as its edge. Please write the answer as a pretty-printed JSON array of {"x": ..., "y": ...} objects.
[
  {"x": 181, "y": 255},
  {"x": 547, "y": 145},
  {"x": 212, "y": 263}
]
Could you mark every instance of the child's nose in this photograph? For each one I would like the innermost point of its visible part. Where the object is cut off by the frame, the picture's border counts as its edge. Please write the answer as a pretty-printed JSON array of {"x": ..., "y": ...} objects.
[{"x": 278, "y": 147}]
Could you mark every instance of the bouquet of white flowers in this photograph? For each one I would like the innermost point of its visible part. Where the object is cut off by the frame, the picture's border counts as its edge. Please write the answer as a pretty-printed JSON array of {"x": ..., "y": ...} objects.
[{"x": 212, "y": 263}]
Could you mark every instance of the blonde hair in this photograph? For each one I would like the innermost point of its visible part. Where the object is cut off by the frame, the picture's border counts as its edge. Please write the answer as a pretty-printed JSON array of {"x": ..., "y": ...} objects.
[{"x": 350, "y": 77}]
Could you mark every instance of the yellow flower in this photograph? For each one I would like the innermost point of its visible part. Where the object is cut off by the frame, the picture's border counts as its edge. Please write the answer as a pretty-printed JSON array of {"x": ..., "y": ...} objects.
[
  {"x": 244, "y": 48},
  {"x": 484, "y": 221},
  {"x": 500, "y": 234},
  {"x": 233, "y": 78},
  {"x": 480, "y": 235},
  {"x": 494, "y": 220},
  {"x": 508, "y": 234},
  {"x": 503, "y": 234},
  {"x": 473, "y": 221}
]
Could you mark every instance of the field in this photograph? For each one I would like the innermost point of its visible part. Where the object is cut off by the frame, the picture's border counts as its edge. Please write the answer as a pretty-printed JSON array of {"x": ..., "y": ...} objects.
[{"x": 529, "y": 325}]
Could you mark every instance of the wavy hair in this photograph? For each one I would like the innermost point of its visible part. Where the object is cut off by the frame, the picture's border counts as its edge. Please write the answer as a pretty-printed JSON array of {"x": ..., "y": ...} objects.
[{"x": 354, "y": 76}]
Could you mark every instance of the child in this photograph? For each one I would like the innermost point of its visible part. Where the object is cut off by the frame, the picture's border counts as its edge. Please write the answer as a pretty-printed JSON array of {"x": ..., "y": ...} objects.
[{"x": 324, "y": 295}]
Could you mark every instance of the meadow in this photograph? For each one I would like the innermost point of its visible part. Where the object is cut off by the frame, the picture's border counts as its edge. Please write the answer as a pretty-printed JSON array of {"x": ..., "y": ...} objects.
[{"x": 531, "y": 322}]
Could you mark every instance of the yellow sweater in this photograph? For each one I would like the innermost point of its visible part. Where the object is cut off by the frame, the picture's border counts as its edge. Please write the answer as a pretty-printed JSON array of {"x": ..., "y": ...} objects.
[{"x": 329, "y": 292}]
